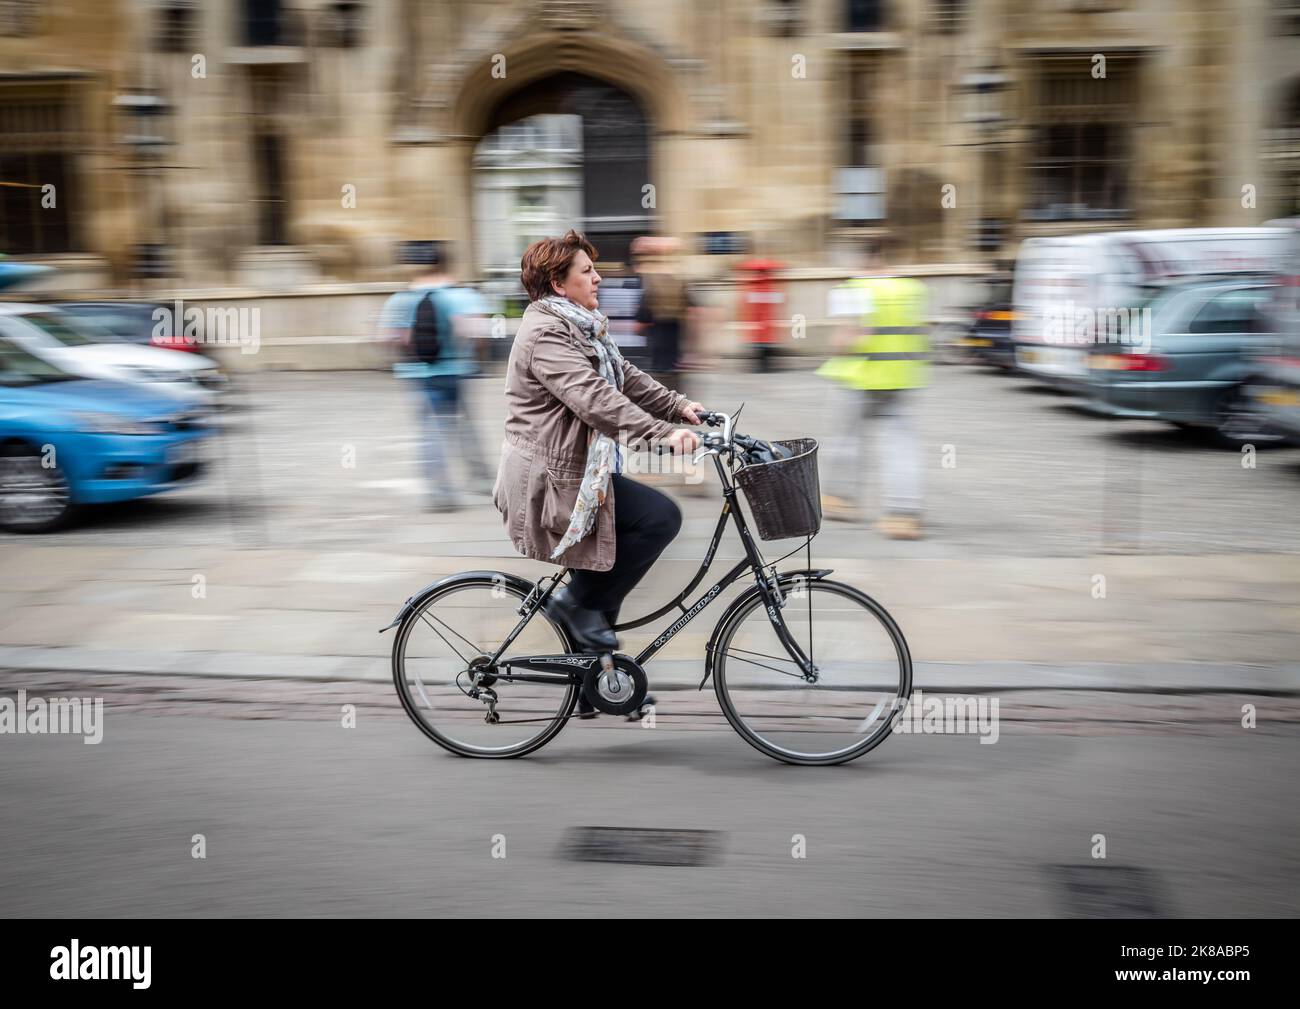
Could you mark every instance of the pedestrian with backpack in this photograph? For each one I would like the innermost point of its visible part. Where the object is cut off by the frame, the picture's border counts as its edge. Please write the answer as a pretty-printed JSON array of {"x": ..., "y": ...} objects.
[{"x": 428, "y": 322}]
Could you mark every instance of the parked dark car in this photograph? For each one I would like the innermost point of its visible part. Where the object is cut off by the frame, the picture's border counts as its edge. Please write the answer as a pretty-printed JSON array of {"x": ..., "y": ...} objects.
[
  {"x": 989, "y": 338},
  {"x": 1194, "y": 366},
  {"x": 1275, "y": 386}
]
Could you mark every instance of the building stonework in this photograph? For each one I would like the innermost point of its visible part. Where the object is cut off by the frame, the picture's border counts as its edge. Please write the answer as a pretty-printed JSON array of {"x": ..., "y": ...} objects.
[{"x": 263, "y": 144}]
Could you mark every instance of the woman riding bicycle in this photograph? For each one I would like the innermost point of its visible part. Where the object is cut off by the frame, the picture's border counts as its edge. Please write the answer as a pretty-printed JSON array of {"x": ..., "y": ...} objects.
[
  {"x": 490, "y": 664},
  {"x": 571, "y": 397}
]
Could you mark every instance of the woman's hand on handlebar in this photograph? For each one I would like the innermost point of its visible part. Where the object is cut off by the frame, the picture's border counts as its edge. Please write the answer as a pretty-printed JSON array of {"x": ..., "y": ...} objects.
[
  {"x": 691, "y": 412},
  {"x": 683, "y": 441}
]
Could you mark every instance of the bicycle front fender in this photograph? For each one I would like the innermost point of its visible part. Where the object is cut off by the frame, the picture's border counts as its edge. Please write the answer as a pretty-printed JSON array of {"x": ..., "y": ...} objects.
[
  {"x": 504, "y": 577},
  {"x": 783, "y": 579}
]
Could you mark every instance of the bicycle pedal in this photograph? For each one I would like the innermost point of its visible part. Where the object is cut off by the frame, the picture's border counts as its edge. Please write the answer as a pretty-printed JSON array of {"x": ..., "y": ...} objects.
[{"x": 647, "y": 706}]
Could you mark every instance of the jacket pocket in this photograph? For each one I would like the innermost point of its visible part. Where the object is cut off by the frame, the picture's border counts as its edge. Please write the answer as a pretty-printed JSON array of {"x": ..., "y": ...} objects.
[
  {"x": 496, "y": 491},
  {"x": 510, "y": 493},
  {"x": 558, "y": 499}
]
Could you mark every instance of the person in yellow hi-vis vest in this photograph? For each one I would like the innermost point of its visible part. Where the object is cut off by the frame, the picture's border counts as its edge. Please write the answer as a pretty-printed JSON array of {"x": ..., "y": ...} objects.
[{"x": 881, "y": 361}]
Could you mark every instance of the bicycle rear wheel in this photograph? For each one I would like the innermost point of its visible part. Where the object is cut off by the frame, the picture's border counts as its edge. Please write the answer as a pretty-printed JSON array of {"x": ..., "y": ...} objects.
[
  {"x": 447, "y": 638},
  {"x": 864, "y": 675}
]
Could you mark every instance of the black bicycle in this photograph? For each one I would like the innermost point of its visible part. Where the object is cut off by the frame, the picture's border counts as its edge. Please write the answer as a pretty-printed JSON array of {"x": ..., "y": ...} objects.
[{"x": 806, "y": 669}]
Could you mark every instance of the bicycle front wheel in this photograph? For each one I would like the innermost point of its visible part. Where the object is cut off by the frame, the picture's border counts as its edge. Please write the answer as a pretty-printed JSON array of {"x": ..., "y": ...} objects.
[
  {"x": 439, "y": 657},
  {"x": 864, "y": 675}
]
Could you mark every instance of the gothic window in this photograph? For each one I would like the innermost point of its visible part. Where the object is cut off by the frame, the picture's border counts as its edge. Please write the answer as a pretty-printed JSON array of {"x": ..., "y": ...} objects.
[
  {"x": 38, "y": 181},
  {"x": 859, "y": 180},
  {"x": 18, "y": 18},
  {"x": 177, "y": 21},
  {"x": 343, "y": 24},
  {"x": 864, "y": 15},
  {"x": 1081, "y": 159}
]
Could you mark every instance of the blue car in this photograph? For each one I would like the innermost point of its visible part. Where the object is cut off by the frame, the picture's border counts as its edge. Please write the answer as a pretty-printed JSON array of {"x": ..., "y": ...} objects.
[{"x": 67, "y": 441}]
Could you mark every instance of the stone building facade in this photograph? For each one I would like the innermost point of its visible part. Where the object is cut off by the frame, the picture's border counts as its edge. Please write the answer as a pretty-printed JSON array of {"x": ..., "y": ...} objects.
[{"x": 257, "y": 143}]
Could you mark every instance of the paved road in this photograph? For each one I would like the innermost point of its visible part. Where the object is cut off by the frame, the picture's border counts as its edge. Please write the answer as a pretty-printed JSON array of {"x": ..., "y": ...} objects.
[{"x": 304, "y": 817}]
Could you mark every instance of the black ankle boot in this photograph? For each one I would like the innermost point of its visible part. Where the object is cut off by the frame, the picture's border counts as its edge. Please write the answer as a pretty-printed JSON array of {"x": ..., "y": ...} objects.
[{"x": 589, "y": 628}]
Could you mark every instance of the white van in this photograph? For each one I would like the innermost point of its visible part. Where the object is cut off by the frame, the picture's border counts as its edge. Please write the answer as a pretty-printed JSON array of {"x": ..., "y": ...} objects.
[{"x": 1073, "y": 292}]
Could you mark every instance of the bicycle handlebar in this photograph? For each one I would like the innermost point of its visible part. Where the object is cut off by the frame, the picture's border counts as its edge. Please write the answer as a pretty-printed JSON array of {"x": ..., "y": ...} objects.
[
  {"x": 729, "y": 438},
  {"x": 713, "y": 418}
]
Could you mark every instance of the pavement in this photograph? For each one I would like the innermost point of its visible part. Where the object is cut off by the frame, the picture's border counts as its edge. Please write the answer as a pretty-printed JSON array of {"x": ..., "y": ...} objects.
[{"x": 1062, "y": 550}]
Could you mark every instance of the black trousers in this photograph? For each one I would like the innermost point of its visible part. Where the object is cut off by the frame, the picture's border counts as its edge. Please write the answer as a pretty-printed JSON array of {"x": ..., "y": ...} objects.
[{"x": 645, "y": 522}]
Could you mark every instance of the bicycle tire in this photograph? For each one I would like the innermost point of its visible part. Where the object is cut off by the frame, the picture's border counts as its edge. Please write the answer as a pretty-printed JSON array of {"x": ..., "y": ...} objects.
[
  {"x": 495, "y": 581},
  {"x": 726, "y": 630}
]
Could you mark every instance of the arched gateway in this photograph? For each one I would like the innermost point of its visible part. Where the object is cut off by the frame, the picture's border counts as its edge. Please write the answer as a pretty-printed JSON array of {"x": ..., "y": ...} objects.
[{"x": 630, "y": 107}]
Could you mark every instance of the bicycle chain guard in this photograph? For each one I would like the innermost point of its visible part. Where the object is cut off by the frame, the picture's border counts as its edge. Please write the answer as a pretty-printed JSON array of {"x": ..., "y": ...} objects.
[{"x": 615, "y": 685}]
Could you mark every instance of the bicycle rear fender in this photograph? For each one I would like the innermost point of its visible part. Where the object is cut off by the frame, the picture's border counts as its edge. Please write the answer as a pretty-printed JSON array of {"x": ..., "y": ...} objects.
[
  {"x": 783, "y": 579},
  {"x": 504, "y": 577}
]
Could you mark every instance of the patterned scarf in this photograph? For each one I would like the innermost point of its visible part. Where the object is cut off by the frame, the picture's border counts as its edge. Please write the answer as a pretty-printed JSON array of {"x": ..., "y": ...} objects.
[{"x": 602, "y": 450}]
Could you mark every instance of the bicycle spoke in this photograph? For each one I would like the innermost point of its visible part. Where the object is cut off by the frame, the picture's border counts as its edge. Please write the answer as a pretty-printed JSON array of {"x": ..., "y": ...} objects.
[
  {"x": 788, "y": 717},
  {"x": 530, "y": 721},
  {"x": 774, "y": 658},
  {"x": 464, "y": 661},
  {"x": 812, "y": 659},
  {"x": 424, "y": 617},
  {"x": 783, "y": 672}
]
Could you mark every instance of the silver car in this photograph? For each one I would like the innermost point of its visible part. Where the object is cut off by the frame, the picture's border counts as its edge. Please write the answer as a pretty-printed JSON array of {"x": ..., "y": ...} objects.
[
  {"x": 1194, "y": 361},
  {"x": 1276, "y": 383}
]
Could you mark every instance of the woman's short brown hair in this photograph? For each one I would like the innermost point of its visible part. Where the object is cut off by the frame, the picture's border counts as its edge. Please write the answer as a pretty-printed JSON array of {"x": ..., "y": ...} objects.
[{"x": 549, "y": 259}]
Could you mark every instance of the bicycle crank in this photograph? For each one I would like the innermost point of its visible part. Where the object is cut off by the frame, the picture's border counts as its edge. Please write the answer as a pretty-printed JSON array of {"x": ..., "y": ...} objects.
[{"x": 616, "y": 685}]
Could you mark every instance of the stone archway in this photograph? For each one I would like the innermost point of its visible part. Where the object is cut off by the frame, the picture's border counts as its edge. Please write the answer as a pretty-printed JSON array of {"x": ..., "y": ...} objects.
[
  {"x": 496, "y": 77},
  {"x": 614, "y": 165},
  {"x": 631, "y": 106}
]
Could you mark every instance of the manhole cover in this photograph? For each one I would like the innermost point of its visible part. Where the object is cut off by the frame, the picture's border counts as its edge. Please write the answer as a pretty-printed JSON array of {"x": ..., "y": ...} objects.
[
  {"x": 644, "y": 845},
  {"x": 1108, "y": 891}
]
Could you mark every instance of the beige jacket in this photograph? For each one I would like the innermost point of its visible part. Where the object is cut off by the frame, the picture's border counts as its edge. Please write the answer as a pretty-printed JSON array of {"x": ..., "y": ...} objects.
[{"x": 555, "y": 398}]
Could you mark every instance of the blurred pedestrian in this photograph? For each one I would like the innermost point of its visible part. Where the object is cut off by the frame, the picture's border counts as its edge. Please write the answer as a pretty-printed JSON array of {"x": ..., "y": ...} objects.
[
  {"x": 664, "y": 314},
  {"x": 882, "y": 348},
  {"x": 430, "y": 321}
]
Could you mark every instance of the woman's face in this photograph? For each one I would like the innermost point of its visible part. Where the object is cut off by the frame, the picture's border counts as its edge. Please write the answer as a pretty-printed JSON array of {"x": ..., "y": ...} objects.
[{"x": 580, "y": 284}]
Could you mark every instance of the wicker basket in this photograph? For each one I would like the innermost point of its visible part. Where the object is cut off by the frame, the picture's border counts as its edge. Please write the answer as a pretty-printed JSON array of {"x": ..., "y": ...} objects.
[{"x": 785, "y": 495}]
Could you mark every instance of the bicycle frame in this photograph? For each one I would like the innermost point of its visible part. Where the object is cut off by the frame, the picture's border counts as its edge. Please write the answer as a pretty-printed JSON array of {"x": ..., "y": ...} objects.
[{"x": 768, "y": 587}]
